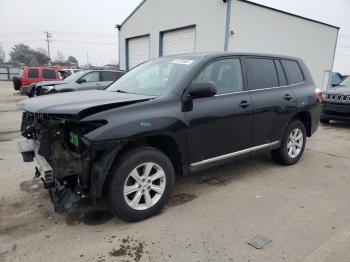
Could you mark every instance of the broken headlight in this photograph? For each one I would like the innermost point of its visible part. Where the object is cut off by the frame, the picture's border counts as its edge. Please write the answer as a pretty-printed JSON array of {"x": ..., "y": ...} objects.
[{"x": 77, "y": 130}]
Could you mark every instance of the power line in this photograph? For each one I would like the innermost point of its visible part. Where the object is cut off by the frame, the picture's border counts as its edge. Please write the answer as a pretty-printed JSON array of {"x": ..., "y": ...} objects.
[
  {"x": 21, "y": 41},
  {"x": 21, "y": 33},
  {"x": 85, "y": 33},
  {"x": 83, "y": 42}
]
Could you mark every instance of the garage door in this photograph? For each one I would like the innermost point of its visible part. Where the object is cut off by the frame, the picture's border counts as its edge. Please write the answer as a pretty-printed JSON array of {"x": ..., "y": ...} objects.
[
  {"x": 138, "y": 50},
  {"x": 179, "y": 41}
]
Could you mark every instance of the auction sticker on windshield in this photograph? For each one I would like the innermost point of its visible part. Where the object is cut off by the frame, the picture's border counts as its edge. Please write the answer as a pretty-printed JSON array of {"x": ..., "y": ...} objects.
[{"x": 182, "y": 61}]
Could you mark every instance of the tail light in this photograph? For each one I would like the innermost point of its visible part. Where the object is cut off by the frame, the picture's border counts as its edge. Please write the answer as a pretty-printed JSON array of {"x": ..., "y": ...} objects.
[
  {"x": 319, "y": 94},
  {"x": 23, "y": 81}
]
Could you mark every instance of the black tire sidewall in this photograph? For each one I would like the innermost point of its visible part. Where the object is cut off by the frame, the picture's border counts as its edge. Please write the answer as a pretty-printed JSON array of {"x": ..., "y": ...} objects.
[
  {"x": 284, "y": 156},
  {"x": 324, "y": 121},
  {"x": 120, "y": 172}
]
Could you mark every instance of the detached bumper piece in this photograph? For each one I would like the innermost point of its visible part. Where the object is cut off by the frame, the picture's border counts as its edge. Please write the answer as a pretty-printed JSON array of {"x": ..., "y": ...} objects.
[
  {"x": 26, "y": 148},
  {"x": 29, "y": 150},
  {"x": 63, "y": 198}
]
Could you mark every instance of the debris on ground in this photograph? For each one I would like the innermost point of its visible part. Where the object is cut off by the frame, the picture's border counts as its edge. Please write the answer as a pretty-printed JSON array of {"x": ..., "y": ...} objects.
[{"x": 259, "y": 241}]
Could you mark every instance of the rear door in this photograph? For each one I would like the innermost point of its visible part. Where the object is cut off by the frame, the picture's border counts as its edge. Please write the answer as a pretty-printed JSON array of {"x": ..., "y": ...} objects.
[
  {"x": 49, "y": 74},
  {"x": 273, "y": 100},
  {"x": 107, "y": 77},
  {"x": 33, "y": 76},
  {"x": 221, "y": 124}
]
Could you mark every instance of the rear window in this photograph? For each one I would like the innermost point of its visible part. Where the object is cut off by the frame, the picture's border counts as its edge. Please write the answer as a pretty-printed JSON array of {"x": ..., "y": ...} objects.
[
  {"x": 109, "y": 76},
  {"x": 49, "y": 74},
  {"x": 293, "y": 71},
  {"x": 261, "y": 73},
  {"x": 280, "y": 72},
  {"x": 33, "y": 73}
]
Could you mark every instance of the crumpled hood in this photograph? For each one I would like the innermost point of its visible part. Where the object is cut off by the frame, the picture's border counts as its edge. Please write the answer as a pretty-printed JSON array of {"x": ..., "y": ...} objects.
[
  {"x": 50, "y": 83},
  {"x": 70, "y": 86},
  {"x": 341, "y": 90},
  {"x": 74, "y": 103}
]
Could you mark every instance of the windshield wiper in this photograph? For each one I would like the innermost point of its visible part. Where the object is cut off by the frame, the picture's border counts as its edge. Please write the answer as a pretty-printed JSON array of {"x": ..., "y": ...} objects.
[{"x": 121, "y": 91}]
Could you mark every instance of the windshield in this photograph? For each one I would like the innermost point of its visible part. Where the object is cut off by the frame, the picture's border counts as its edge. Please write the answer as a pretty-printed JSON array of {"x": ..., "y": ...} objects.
[
  {"x": 346, "y": 82},
  {"x": 74, "y": 77},
  {"x": 157, "y": 77}
]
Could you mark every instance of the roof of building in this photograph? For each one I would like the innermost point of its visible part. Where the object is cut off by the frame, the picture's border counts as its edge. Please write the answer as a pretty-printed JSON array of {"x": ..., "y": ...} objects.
[{"x": 246, "y": 1}]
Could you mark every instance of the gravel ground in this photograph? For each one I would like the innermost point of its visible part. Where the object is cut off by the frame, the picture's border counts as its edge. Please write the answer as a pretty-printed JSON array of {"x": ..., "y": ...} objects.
[{"x": 303, "y": 209}]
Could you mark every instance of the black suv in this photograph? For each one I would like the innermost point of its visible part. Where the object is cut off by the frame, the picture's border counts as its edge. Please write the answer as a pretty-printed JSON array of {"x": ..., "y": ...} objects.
[
  {"x": 169, "y": 116},
  {"x": 336, "y": 103}
]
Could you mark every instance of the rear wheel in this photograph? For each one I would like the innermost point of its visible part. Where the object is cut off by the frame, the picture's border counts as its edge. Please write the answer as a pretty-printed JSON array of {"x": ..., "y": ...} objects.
[
  {"x": 141, "y": 183},
  {"x": 292, "y": 144}
]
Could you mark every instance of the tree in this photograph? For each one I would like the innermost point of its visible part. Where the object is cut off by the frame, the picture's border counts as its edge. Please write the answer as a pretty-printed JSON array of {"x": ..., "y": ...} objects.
[
  {"x": 60, "y": 57},
  {"x": 2, "y": 54},
  {"x": 22, "y": 53},
  {"x": 71, "y": 59},
  {"x": 42, "y": 51}
]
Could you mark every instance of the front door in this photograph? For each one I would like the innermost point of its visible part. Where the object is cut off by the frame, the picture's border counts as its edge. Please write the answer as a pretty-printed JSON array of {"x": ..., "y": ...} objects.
[
  {"x": 220, "y": 124},
  {"x": 92, "y": 81}
]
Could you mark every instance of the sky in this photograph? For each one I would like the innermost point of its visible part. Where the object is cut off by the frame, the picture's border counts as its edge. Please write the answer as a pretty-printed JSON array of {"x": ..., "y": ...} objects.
[{"x": 85, "y": 28}]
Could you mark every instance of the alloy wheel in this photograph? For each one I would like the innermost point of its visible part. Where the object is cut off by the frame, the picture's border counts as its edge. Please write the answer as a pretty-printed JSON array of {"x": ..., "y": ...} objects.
[
  {"x": 144, "y": 186},
  {"x": 295, "y": 143}
]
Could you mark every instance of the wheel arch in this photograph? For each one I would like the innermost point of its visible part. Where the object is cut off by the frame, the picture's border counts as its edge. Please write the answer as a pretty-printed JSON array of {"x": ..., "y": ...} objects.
[
  {"x": 163, "y": 143},
  {"x": 305, "y": 118}
]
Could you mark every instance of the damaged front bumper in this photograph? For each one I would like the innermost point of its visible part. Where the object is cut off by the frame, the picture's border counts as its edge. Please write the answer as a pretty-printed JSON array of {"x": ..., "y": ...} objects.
[
  {"x": 63, "y": 198},
  {"x": 70, "y": 173},
  {"x": 29, "y": 150}
]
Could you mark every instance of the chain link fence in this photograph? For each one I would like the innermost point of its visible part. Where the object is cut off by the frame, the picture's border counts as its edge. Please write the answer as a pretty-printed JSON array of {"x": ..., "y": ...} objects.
[{"x": 8, "y": 72}]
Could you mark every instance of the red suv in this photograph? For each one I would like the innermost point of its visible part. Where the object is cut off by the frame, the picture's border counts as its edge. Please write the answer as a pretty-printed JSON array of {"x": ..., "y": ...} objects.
[{"x": 30, "y": 75}]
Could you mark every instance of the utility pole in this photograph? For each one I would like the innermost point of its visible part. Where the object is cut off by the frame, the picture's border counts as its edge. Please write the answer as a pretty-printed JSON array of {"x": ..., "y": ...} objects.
[
  {"x": 87, "y": 58},
  {"x": 48, "y": 40}
]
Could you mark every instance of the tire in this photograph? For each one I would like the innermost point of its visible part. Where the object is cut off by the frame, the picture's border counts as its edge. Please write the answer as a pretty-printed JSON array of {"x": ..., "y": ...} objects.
[
  {"x": 324, "y": 121},
  {"x": 32, "y": 93},
  {"x": 16, "y": 83},
  {"x": 133, "y": 206},
  {"x": 286, "y": 156}
]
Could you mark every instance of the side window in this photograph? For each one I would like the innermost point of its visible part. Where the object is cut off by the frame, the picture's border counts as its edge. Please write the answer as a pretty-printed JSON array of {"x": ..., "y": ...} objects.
[
  {"x": 63, "y": 74},
  {"x": 109, "y": 76},
  {"x": 91, "y": 77},
  {"x": 33, "y": 73},
  {"x": 280, "y": 72},
  {"x": 336, "y": 79},
  {"x": 225, "y": 73},
  {"x": 261, "y": 73},
  {"x": 293, "y": 71},
  {"x": 49, "y": 74}
]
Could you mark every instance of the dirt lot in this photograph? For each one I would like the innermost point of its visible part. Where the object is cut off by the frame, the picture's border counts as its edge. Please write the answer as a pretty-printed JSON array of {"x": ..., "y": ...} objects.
[{"x": 304, "y": 209}]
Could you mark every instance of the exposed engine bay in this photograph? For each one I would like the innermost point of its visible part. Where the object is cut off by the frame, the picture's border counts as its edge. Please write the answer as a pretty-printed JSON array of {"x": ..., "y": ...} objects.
[{"x": 70, "y": 167}]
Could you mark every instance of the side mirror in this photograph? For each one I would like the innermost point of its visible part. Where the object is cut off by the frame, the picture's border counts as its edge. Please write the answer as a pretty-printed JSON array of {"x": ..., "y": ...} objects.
[
  {"x": 81, "y": 80},
  {"x": 202, "y": 89}
]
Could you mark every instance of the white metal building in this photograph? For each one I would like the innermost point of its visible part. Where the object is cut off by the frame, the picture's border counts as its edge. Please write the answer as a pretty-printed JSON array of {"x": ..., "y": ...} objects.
[{"x": 163, "y": 27}]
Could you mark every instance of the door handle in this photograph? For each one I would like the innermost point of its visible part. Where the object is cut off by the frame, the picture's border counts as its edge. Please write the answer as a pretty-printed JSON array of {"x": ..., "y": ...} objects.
[
  {"x": 244, "y": 104},
  {"x": 288, "y": 97}
]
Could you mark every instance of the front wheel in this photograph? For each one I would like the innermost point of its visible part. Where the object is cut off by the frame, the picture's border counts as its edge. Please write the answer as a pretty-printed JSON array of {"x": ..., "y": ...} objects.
[
  {"x": 141, "y": 183},
  {"x": 292, "y": 144},
  {"x": 324, "y": 121}
]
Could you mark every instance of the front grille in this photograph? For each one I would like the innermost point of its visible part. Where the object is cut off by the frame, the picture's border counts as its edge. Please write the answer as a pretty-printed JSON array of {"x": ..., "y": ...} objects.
[{"x": 338, "y": 98}]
